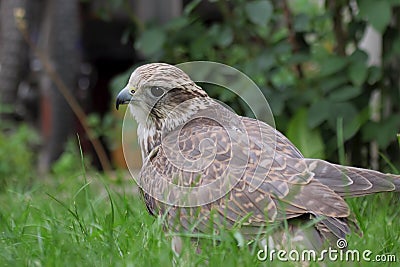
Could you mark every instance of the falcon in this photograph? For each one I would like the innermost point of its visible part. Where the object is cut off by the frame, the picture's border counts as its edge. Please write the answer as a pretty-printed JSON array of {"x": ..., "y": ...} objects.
[{"x": 205, "y": 167}]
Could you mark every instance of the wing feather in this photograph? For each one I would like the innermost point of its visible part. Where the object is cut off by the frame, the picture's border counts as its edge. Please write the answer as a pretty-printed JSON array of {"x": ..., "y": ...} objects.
[{"x": 287, "y": 187}]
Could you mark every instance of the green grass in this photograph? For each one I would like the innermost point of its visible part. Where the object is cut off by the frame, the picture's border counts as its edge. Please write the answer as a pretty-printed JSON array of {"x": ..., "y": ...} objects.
[
  {"x": 74, "y": 218},
  {"x": 73, "y": 223},
  {"x": 99, "y": 222}
]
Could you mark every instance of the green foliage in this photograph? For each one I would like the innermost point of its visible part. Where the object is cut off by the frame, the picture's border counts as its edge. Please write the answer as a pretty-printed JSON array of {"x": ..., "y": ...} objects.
[
  {"x": 151, "y": 41},
  {"x": 378, "y": 13},
  {"x": 69, "y": 164},
  {"x": 259, "y": 12},
  {"x": 105, "y": 127},
  {"x": 16, "y": 156},
  {"x": 398, "y": 138},
  {"x": 300, "y": 134},
  {"x": 302, "y": 55}
]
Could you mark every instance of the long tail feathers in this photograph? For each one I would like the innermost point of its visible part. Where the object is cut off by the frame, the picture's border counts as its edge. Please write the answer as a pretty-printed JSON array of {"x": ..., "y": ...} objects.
[{"x": 351, "y": 181}]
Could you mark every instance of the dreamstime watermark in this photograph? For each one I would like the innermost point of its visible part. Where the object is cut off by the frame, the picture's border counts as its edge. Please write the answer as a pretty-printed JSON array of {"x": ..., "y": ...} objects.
[{"x": 341, "y": 254}]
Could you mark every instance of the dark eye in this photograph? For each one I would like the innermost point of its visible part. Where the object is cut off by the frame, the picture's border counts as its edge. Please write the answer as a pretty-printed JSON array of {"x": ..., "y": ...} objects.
[{"x": 156, "y": 91}]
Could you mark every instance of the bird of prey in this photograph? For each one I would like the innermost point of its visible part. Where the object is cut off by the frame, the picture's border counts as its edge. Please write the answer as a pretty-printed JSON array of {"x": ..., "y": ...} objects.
[{"x": 206, "y": 167}]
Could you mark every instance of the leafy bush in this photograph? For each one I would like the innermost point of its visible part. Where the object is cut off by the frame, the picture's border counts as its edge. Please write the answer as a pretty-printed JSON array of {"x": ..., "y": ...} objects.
[
  {"x": 307, "y": 60},
  {"x": 16, "y": 156}
]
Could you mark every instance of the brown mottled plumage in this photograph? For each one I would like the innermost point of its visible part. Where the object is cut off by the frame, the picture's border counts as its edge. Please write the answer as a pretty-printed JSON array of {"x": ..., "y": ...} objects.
[{"x": 174, "y": 114}]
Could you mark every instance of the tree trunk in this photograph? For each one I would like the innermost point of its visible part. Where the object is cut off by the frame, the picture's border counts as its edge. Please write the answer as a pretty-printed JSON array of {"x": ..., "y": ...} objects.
[
  {"x": 60, "y": 39},
  {"x": 13, "y": 56}
]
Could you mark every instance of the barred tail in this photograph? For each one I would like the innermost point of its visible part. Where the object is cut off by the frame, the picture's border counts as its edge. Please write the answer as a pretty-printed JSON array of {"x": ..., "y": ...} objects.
[{"x": 352, "y": 182}]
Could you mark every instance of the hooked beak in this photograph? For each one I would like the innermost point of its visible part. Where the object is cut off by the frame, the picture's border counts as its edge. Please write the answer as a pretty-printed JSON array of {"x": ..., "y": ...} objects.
[{"x": 123, "y": 97}]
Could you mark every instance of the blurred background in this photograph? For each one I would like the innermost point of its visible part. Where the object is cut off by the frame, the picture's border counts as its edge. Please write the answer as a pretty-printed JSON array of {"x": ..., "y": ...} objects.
[{"x": 329, "y": 69}]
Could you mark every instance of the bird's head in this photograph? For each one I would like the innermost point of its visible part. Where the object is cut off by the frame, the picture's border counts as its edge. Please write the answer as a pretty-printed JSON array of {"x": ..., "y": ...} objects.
[{"x": 157, "y": 89}]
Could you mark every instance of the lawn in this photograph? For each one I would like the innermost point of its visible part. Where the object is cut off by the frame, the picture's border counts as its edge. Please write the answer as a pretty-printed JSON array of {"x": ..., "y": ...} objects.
[{"x": 79, "y": 217}]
